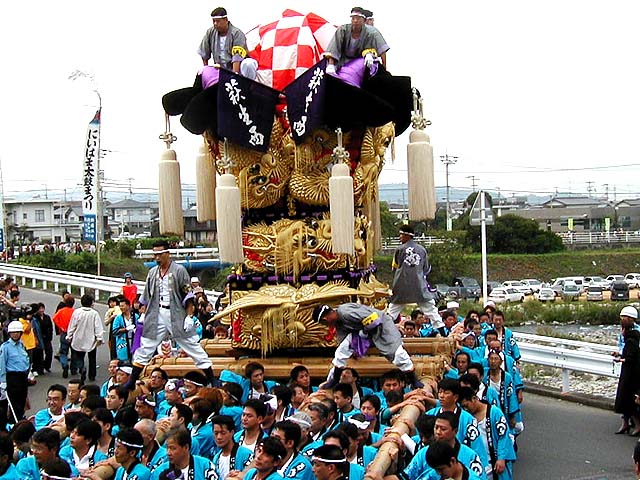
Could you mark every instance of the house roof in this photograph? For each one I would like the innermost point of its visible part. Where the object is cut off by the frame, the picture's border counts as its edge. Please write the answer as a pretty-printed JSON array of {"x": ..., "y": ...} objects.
[
  {"x": 629, "y": 202},
  {"x": 130, "y": 203},
  {"x": 572, "y": 202}
]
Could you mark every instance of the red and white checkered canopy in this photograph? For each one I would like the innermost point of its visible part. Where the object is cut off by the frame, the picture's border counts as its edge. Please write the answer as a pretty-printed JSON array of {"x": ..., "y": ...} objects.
[{"x": 287, "y": 47}]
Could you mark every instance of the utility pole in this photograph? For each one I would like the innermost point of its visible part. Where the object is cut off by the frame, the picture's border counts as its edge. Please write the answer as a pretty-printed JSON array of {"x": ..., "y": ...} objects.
[
  {"x": 590, "y": 188},
  {"x": 448, "y": 160},
  {"x": 3, "y": 229},
  {"x": 606, "y": 191},
  {"x": 473, "y": 182}
]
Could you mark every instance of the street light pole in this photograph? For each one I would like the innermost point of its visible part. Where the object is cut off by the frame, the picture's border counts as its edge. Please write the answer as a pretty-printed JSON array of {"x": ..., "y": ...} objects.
[{"x": 448, "y": 160}]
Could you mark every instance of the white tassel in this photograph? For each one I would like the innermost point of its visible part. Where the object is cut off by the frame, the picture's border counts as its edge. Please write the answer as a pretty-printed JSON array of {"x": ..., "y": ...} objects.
[
  {"x": 205, "y": 185},
  {"x": 229, "y": 219},
  {"x": 170, "y": 205},
  {"x": 342, "y": 209},
  {"x": 422, "y": 192}
]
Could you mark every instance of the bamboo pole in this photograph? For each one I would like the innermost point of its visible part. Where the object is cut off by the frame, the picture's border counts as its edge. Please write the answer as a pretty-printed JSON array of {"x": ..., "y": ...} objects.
[{"x": 389, "y": 450}]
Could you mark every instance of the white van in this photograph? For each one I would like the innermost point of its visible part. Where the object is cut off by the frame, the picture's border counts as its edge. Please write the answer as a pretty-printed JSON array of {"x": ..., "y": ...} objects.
[{"x": 632, "y": 279}]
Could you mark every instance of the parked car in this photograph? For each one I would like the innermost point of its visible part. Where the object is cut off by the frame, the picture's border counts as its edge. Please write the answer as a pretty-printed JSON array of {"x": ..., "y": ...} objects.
[
  {"x": 594, "y": 294},
  {"x": 491, "y": 285},
  {"x": 632, "y": 279},
  {"x": 571, "y": 291},
  {"x": 594, "y": 281},
  {"x": 534, "y": 284},
  {"x": 518, "y": 285},
  {"x": 614, "y": 278},
  {"x": 442, "y": 289},
  {"x": 545, "y": 295},
  {"x": 557, "y": 285},
  {"x": 465, "y": 288},
  {"x": 620, "y": 291},
  {"x": 579, "y": 281},
  {"x": 506, "y": 295}
]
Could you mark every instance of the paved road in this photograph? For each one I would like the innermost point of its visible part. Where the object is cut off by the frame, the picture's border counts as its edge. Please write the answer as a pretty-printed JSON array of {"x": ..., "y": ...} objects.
[
  {"x": 38, "y": 393},
  {"x": 563, "y": 440},
  {"x": 567, "y": 441}
]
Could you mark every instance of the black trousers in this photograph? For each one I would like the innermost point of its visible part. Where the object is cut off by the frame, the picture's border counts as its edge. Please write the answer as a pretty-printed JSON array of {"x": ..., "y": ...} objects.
[
  {"x": 17, "y": 393},
  {"x": 77, "y": 362},
  {"x": 48, "y": 354}
]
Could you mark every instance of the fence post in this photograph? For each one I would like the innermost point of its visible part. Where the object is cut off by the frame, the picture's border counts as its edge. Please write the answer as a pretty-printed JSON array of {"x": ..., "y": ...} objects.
[
  {"x": 566, "y": 388},
  {"x": 55, "y": 287},
  {"x": 44, "y": 284}
]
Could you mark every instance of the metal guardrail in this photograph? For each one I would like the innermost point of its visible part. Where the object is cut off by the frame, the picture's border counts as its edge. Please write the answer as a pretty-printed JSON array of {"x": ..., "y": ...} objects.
[
  {"x": 568, "y": 355},
  {"x": 570, "y": 238},
  {"x": 573, "y": 238},
  {"x": 82, "y": 281},
  {"x": 585, "y": 357},
  {"x": 393, "y": 243},
  {"x": 183, "y": 253}
]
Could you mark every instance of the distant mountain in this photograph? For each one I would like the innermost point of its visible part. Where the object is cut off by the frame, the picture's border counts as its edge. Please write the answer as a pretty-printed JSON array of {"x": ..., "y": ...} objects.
[{"x": 398, "y": 193}]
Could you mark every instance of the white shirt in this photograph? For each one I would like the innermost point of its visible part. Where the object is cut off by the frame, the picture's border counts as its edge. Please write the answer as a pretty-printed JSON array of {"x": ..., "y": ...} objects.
[
  {"x": 165, "y": 293},
  {"x": 83, "y": 463},
  {"x": 284, "y": 467},
  {"x": 224, "y": 465}
]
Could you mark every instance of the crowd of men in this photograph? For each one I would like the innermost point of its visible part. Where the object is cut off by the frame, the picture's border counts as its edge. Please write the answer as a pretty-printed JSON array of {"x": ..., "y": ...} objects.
[{"x": 249, "y": 426}]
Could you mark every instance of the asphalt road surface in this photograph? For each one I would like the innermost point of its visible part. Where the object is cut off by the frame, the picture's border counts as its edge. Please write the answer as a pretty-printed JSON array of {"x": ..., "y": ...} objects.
[{"x": 562, "y": 440}]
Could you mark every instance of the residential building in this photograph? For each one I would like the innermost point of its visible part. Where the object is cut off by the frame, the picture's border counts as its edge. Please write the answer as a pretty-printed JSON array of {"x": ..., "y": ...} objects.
[
  {"x": 131, "y": 216},
  {"x": 43, "y": 220},
  {"x": 583, "y": 214},
  {"x": 197, "y": 232}
]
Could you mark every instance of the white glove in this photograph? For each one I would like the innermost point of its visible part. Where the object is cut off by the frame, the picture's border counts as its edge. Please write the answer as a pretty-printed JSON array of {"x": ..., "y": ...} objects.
[
  {"x": 368, "y": 60},
  {"x": 363, "y": 334},
  {"x": 331, "y": 68},
  {"x": 189, "y": 324},
  {"x": 130, "y": 328}
]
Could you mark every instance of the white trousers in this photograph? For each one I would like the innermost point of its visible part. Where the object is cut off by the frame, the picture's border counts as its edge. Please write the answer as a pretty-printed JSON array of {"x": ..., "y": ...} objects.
[
  {"x": 400, "y": 359},
  {"x": 249, "y": 68},
  {"x": 428, "y": 308},
  {"x": 149, "y": 345}
]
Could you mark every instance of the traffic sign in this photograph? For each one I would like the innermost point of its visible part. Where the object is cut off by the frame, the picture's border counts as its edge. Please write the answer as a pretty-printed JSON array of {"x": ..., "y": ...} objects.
[{"x": 475, "y": 216}]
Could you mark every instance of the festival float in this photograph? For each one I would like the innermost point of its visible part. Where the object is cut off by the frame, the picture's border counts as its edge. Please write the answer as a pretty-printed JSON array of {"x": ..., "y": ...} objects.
[{"x": 289, "y": 169}]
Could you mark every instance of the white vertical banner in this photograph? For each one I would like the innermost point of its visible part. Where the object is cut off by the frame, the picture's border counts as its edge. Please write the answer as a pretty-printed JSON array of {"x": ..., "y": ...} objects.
[{"x": 90, "y": 179}]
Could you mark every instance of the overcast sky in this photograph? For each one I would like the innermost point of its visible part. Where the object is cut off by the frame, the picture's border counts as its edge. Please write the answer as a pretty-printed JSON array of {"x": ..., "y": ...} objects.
[{"x": 531, "y": 96}]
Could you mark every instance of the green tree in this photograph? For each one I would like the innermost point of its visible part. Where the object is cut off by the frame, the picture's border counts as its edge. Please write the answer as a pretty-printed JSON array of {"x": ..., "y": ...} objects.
[
  {"x": 388, "y": 221},
  {"x": 448, "y": 260},
  {"x": 514, "y": 234}
]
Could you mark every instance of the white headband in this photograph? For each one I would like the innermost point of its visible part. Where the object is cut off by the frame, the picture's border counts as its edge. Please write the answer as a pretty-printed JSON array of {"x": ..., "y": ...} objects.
[
  {"x": 328, "y": 460},
  {"x": 361, "y": 425},
  {"x": 357, "y": 14},
  {"x": 299, "y": 421},
  {"x": 218, "y": 17},
  {"x": 53, "y": 477},
  {"x": 127, "y": 370},
  {"x": 195, "y": 383},
  {"x": 132, "y": 445}
]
